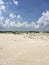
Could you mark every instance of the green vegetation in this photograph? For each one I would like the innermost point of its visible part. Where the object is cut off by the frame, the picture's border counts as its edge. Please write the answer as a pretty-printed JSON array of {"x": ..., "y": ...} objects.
[{"x": 19, "y": 32}]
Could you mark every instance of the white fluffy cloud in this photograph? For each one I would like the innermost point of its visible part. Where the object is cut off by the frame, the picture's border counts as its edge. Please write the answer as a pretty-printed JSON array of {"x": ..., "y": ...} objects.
[
  {"x": 12, "y": 15},
  {"x": 19, "y": 17},
  {"x": 1, "y": 18},
  {"x": 13, "y": 24},
  {"x": 19, "y": 24},
  {"x": 34, "y": 25},
  {"x": 41, "y": 23},
  {"x": 44, "y": 19},
  {"x": 2, "y": 8},
  {"x": 7, "y": 23},
  {"x": 1, "y": 2},
  {"x": 27, "y": 25},
  {"x": 15, "y": 2},
  {"x": 24, "y": 25}
]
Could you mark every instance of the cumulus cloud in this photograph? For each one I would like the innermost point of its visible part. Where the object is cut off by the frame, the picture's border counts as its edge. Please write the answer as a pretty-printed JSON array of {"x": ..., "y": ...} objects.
[
  {"x": 1, "y": 18},
  {"x": 1, "y": 2},
  {"x": 7, "y": 23},
  {"x": 2, "y": 8},
  {"x": 27, "y": 25},
  {"x": 13, "y": 24},
  {"x": 12, "y": 15},
  {"x": 15, "y": 2},
  {"x": 41, "y": 23},
  {"x": 24, "y": 25},
  {"x": 44, "y": 19},
  {"x": 19, "y": 24},
  {"x": 19, "y": 17},
  {"x": 34, "y": 25}
]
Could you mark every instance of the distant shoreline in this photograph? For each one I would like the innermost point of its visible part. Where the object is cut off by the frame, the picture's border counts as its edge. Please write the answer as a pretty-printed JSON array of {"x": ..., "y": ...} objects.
[{"x": 23, "y": 32}]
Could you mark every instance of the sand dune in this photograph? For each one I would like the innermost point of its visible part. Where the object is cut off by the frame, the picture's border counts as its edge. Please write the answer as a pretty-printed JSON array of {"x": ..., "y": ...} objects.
[{"x": 24, "y": 49}]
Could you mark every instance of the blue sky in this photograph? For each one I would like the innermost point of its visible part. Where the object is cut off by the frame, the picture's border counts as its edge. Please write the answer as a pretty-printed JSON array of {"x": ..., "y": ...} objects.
[{"x": 24, "y": 15}]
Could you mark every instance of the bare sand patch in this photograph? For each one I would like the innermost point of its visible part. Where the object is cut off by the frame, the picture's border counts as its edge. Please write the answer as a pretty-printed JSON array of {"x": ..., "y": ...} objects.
[{"x": 24, "y": 49}]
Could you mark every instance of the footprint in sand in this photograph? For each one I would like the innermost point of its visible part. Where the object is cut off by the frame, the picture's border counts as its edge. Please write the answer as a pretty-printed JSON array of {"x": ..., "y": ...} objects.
[{"x": 1, "y": 48}]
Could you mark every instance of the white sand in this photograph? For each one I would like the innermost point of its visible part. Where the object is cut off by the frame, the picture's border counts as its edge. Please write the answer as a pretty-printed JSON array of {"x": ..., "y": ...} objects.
[{"x": 24, "y": 50}]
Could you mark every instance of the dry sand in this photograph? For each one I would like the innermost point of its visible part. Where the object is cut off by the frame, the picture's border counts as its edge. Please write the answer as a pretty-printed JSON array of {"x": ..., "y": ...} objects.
[{"x": 24, "y": 49}]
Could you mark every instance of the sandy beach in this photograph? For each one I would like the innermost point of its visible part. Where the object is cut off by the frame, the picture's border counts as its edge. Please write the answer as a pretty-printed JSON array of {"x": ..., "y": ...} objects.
[{"x": 24, "y": 49}]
